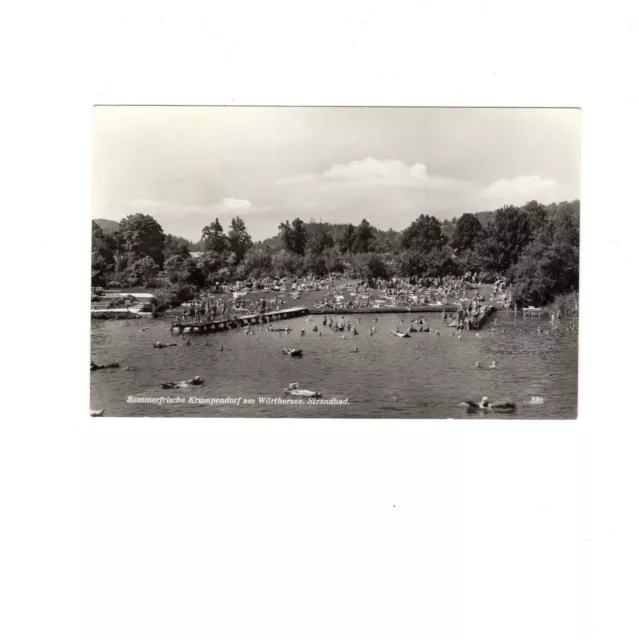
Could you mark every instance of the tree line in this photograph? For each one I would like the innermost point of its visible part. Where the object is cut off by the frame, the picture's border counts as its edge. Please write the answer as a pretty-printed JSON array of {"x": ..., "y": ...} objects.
[{"x": 535, "y": 247}]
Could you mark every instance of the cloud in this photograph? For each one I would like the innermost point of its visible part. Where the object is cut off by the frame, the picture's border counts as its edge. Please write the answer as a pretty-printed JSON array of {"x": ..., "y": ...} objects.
[
  {"x": 373, "y": 172},
  {"x": 521, "y": 187},
  {"x": 226, "y": 206}
]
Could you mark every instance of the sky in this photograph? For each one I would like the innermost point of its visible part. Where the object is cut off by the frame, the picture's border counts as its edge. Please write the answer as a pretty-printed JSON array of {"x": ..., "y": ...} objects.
[{"x": 186, "y": 166}]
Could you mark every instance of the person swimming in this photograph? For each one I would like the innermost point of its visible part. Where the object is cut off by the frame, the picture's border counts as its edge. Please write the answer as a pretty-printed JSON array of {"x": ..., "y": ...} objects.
[
  {"x": 484, "y": 403},
  {"x": 188, "y": 343},
  {"x": 476, "y": 365},
  {"x": 493, "y": 365}
]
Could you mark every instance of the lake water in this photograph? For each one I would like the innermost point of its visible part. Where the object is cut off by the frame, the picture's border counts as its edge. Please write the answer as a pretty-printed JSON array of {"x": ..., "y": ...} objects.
[{"x": 424, "y": 376}]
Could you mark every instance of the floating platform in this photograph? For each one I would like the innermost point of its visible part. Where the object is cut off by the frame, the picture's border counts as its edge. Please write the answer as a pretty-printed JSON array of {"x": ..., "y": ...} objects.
[{"x": 207, "y": 326}]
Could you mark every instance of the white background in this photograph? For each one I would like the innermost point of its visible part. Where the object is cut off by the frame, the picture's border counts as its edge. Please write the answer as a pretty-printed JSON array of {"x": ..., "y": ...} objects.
[{"x": 331, "y": 529}]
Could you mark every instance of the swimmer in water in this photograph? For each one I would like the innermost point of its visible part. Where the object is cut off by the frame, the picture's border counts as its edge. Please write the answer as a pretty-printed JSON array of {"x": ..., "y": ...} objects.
[
  {"x": 320, "y": 333},
  {"x": 478, "y": 335},
  {"x": 188, "y": 343},
  {"x": 222, "y": 348},
  {"x": 343, "y": 337},
  {"x": 355, "y": 350},
  {"x": 493, "y": 365},
  {"x": 476, "y": 365},
  {"x": 206, "y": 344}
]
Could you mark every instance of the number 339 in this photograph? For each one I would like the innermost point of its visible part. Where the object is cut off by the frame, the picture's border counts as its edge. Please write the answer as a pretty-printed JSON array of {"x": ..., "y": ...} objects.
[{"x": 536, "y": 400}]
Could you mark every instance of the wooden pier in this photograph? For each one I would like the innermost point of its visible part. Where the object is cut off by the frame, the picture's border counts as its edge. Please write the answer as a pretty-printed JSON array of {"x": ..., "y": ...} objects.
[
  {"x": 487, "y": 312},
  {"x": 362, "y": 310},
  {"x": 207, "y": 326}
]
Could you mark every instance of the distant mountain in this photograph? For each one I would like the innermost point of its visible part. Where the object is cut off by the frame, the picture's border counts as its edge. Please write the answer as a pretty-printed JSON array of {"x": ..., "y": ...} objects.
[{"x": 108, "y": 226}]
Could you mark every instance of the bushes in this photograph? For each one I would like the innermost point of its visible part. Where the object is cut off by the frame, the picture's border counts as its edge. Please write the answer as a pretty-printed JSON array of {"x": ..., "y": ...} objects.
[
  {"x": 143, "y": 270},
  {"x": 180, "y": 293}
]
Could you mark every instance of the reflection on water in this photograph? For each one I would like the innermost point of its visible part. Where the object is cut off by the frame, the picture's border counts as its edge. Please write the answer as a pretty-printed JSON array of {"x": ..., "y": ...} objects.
[{"x": 424, "y": 376}]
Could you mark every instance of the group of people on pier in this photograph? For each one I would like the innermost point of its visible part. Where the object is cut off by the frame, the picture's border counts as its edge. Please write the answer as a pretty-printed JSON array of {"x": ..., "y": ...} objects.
[{"x": 468, "y": 314}]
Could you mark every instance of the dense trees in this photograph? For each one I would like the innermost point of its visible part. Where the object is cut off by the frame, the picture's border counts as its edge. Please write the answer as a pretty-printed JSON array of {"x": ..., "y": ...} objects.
[
  {"x": 213, "y": 238},
  {"x": 467, "y": 230},
  {"x": 142, "y": 236},
  {"x": 239, "y": 239},
  {"x": 175, "y": 246},
  {"x": 536, "y": 247},
  {"x": 319, "y": 240},
  {"x": 258, "y": 262},
  {"x": 347, "y": 238},
  {"x": 363, "y": 237},
  {"x": 293, "y": 236},
  {"x": 423, "y": 235},
  {"x": 102, "y": 255}
]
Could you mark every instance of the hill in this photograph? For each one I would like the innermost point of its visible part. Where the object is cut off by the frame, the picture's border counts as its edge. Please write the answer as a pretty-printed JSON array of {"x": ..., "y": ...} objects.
[{"x": 108, "y": 226}]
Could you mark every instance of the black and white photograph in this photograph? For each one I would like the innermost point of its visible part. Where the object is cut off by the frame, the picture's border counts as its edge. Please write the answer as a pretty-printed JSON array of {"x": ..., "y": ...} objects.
[
  {"x": 335, "y": 262},
  {"x": 353, "y": 365}
]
